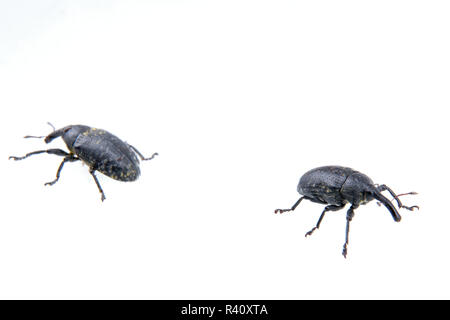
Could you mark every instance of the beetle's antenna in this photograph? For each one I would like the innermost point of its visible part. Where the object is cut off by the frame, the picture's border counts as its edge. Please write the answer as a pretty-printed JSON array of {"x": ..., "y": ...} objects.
[
  {"x": 54, "y": 129},
  {"x": 404, "y": 194},
  {"x": 40, "y": 137}
]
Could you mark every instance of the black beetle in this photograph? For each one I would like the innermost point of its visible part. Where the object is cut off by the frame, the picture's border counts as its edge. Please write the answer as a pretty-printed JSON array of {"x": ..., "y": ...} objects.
[
  {"x": 335, "y": 186},
  {"x": 99, "y": 149}
]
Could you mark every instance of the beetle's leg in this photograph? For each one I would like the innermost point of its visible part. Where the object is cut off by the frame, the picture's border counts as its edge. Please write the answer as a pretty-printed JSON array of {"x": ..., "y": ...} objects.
[
  {"x": 384, "y": 187},
  {"x": 350, "y": 215},
  {"x": 327, "y": 208},
  {"x": 69, "y": 158},
  {"x": 92, "y": 172},
  {"x": 291, "y": 209},
  {"x": 57, "y": 152},
  {"x": 141, "y": 155}
]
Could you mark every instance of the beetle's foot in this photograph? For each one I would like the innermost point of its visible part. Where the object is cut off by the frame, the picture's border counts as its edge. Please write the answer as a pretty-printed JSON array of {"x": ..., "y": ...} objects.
[
  {"x": 153, "y": 155},
  {"x": 410, "y": 208},
  {"x": 50, "y": 183},
  {"x": 310, "y": 232},
  {"x": 344, "y": 251},
  {"x": 16, "y": 158},
  {"x": 282, "y": 210},
  {"x": 103, "y": 197}
]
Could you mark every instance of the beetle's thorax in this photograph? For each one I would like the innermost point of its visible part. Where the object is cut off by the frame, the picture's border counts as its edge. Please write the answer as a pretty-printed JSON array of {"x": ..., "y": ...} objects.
[
  {"x": 71, "y": 134},
  {"x": 358, "y": 188}
]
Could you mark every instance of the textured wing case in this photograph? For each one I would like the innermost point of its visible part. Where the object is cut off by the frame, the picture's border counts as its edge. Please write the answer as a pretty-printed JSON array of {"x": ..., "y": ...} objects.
[
  {"x": 108, "y": 154},
  {"x": 324, "y": 184}
]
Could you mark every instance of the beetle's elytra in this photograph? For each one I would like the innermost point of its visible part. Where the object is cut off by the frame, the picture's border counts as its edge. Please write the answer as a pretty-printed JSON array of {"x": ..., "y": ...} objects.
[
  {"x": 99, "y": 149},
  {"x": 336, "y": 186}
]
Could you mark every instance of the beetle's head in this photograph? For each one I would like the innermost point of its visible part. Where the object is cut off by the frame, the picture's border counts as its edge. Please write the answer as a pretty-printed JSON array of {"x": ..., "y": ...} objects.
[{"x": 69, "y": 134}]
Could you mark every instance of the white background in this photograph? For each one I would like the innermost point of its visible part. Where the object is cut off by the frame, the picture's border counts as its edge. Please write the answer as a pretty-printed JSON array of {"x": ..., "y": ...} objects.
[{"x": 239, "y": 98}]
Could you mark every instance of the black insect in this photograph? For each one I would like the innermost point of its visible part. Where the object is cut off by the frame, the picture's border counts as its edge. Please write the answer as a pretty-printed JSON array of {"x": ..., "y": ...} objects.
[
  {"x": 99, "y": 149},
  {"x": 336, "y": 186}
]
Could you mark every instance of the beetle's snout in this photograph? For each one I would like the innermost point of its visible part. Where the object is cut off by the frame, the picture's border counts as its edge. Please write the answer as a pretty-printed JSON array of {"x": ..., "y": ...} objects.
[
  {"x": 388, "y": 204},
  {"x": 56, "y": 134},
  {"x": 51, "y": 137}
]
